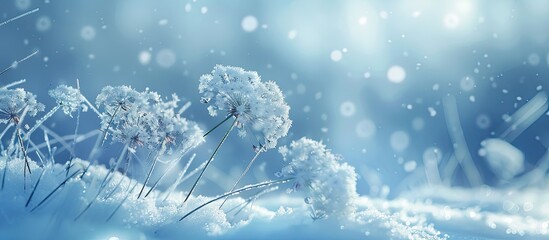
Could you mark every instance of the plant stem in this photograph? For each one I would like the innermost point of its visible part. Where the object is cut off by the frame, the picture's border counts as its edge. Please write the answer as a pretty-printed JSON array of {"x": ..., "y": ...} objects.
[
  {"x": 55, "y": 190},
  {"x": 109, "y": 125},
  {"x": 148, "y": 176},
  {"x": 35, "y": 186},
  {"x": 27, "y": 166},
  {"x": 42, "y": 120},
  {"x": 219, "y": 124},
  {"x": 249, "y": 187},
  {"x": 241, "y": 176},
  {"x": 211, "y": 158},
  {"x": 121, "y": 202}
]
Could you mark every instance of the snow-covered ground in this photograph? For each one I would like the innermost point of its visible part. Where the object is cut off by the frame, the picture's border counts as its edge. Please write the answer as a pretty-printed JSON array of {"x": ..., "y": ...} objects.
[{"x": 428, "y": 213}]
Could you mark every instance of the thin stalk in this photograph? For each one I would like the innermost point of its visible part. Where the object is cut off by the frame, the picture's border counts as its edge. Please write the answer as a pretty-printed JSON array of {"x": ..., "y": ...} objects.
[
  {"x": 35, "y": 187},
  {"x": 12, "y": 84},
  {"x": 148, "y": 176},
  {"x": 94, "y": 109},
  {"x": 179, "y": 178},
  {"x": 73, "y": 144},
  {"x": 216, "y": 126},
  {"x": 238, "y": 191},
  {"x": 175, "y": 162},
  {"x": 121, "y": 203},
  {"x": 104, "y": 182},
  {"x": 106, "y": 131},
  {"x": 55, "y": 190},
  {"x": 27, "y": 166},
  {"x": 242, "y": 175},
  {"x": 19, "y": 16},
  {"x": 17, "y": 62},
  {"x": 6, "y": 130},
  {"x": 5, "y": 172},
  {"x": 48, "y": 144},
  {"x": 42, "y": 120},
  {"x": 211, "y": 158},
  {"x": 251, "y": 200}
]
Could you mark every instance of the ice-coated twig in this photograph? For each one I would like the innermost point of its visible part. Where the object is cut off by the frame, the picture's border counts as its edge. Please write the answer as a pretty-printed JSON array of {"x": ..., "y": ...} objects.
[
  {"x": 17, "y": 62},
  {"x": 524, "y": 117},
  {"x": 251, "y": 200},
  {"x": 172, "y": 165},
  {"x": 211, "y": 158},
  {"x": 184, "y": 108},
  {"x": 106, "y": 130},
  {"x": 242, "y": 175},
  {"x": 35, "y": 187},
  {"x": 58, "y": 138},
  {"x": 121, "y": 202},
  {"x": 55, "y": 190},
  {"x": 104, "y": 183},
  {"x": 5, "y": 131},
  {"x": 14, "y": 84},
  {"x": 461, "y": 151},
  {"x": 180, "y": 177},
  {"x": 48, "y": 143},
  {"x": 238, "y": 191},
  {"x": 5, "y": 172},
  {"x": 19, "y": 16},
  {"x": 42, "y": 120},
  {"x": 94, "y": 109}
]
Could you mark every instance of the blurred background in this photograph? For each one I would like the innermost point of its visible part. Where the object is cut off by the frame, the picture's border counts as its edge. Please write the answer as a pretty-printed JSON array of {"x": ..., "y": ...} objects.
[{"x": 405, "y": 91}]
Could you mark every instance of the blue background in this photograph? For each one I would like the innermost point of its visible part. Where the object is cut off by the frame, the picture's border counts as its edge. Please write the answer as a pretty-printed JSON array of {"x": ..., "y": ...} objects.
[{"x": 502, "y": 45}]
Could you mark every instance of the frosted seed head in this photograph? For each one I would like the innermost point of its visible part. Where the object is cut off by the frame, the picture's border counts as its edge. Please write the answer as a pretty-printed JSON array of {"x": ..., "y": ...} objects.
[
  {"x": 13, "y": 103},
  {"x": 259, "y": 106},
  {"x": 69, "y": 98},
  {"x": 146, "y": 119},
  {"x": 328, "y": 184}
]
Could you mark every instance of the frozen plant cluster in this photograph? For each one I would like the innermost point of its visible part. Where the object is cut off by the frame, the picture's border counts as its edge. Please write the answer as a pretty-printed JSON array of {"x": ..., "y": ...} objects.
[
  {"x": 258, "y": 106},
  {"x": 145, "y": 119},
  {"x": 329, "y": 185},
  {"x": 96, "y": 197}
]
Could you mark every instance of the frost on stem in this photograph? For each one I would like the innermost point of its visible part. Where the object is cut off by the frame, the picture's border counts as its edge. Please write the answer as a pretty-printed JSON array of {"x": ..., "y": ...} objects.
[
  {"x": 13, "y": 102},
  {"x": 259, "y": 106},
  {"x": 69, "y": 98},
  {"x": 328, "y": 184}
]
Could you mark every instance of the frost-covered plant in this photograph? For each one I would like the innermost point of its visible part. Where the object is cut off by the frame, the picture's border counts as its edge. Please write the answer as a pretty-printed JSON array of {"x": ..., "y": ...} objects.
[
  {"x": 257, "y": 107},
  {"x": 145, "y": 119},
  {"x": 328, "y": 184},
  {"x": 67, "y": 98},
  {"x": 124, "y": 114},
  {"x": 14, "y": 102},
  {"x": 14, "y": 105}
]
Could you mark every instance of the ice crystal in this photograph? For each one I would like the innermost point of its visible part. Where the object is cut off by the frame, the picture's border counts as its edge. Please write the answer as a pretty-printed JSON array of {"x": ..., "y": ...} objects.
[
  {"x": 328, "y": 184},
  {"x": 259, "y": 106},
  {"x": 69, "y": 98},
  {"x": 13, "y": 102}
]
